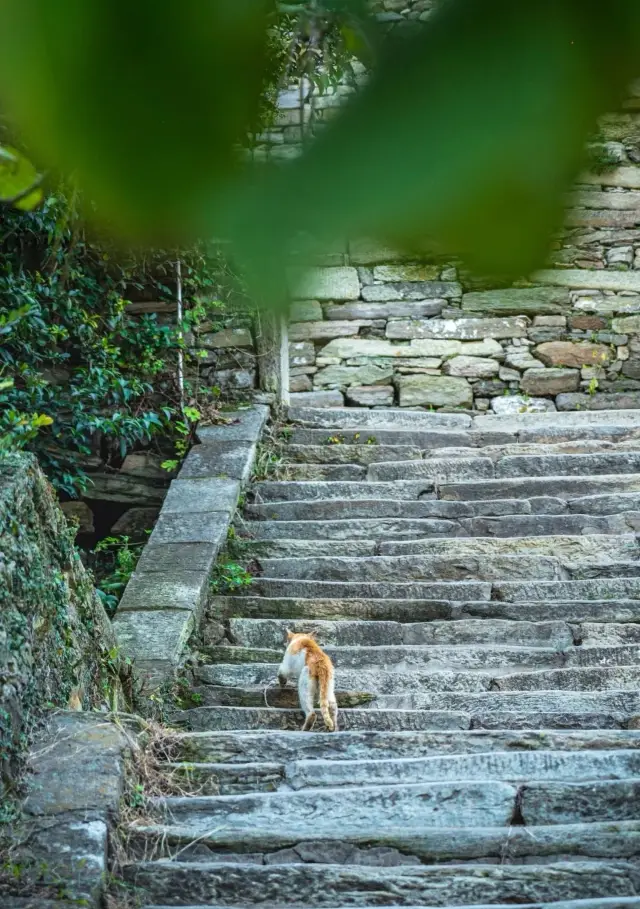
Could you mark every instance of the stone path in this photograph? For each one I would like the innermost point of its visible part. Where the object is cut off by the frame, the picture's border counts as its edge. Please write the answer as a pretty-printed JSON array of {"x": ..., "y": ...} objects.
[{"x": 477, "y": 583}]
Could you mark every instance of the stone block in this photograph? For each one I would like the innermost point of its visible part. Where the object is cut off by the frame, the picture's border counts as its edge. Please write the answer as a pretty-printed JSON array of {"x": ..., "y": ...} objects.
[
  {"x": 79, "y": 513},
  {"x": 354, "y": 375},
  {"x": 550, "y": 322},
  {"x": 472, "y": 367},
  {"x": 627, "y": 325},
  {"x": 600, "y": 401},
  {"x": 460, "y": 329},
  {"x": 599, "y": 279},
  {"x": 508, "y": 405},
  {"x": 154, "y": 635},
  {"x": 436, "y": 391},
  {"x": 393, "y": 309},
  {"x": 549, "y": 381},
  {"x": 625, "y": 177},
  {"x": 585, "y": 217},
  {"x": 241, "y": 425},
  {"x": 229, "y": 460},
  {"x": 577, "y": 355},
  {"x": 514, "y": 301},
  {"x": 370, "y": 395},
  {"x": 325, "y": 284},
  {"x": 412, "y": 290},
  {"x": 401, "y": 273},
  {"x": 300, "y": 383},
  {"x": 194, "y": 527},
  {"x": 229, "y": 337},
  {"x": 350, "y": 348},
  {"x": 168, "y": 589},
  {"x": 190, "y": 495},
  {"x": 587, "y": 323},
  {"x": 318, "y": 331},
  {"x": 135, "y": 521},
  {"x": 305, "y": 311},
  {"x": 177, "y": 557},
  {"x": 302, "y": 354},
  {"x": 317, "y": 399}
]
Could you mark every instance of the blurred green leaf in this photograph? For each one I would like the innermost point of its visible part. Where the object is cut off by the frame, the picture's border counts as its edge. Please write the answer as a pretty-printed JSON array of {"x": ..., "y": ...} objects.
[
  {"x": 467, "y": 134},
  {"x": 17, "y": 176},
  {"x": 144, "y": 102}
]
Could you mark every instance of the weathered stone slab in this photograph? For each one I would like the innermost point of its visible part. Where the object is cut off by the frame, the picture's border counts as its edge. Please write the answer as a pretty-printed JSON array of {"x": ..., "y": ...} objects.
[
  {"x": 444, "y": 470},
  {"x": 319, "y": 331},
  {"x": 370, "y": 395},
  {"x": 577, "y": 802},
  {"x": 629, "y": 201},
  {"x": 411, "y": 290},
  {"x": 356, "y": 419},
  {"x": 154, "y": 636},
  {"x": 305, "y": 311},
  {"x": 354, "y": 375},
  {"x": 287, "y": 491},
  {"x": 402, "y": 273},
  {"x": 515, "y": 301},
  {"x": 595, "y": 589},
  {"x": 598, "y": 279},
  {"x": 510, "y": 405},
  {"x": 625, "y": 177},
  {"x": 607, "y": 218},
  {"x": 577, "y": 465},
  {"x": 452, "y": 590},
  {"x": 221, "y": 459},
  {"x": 177, "y": 557},
  {"x": 437, "y": 391},
  {"x": 628, "y": 400},
  {"x": 393, "y": 309},
  {"x": 229, "y": 337},
  {"x": 564, "y": 487},
  {"x": 627, "y": 325},
  {"x": 459, "y": 329},
  {"x": 203, "y": 494},
  {"x": 165, "y": 589},
  {"x": 340, "y": 283},
  {"x": 193, "y": 527},
  {"x": 243, "y": 425},
  {"x": 550, "y": 381},
  {"x": 316, "y": 399},
  {"x": 347, "y": 348},
  {"x": 577, "y": 355},
  {"x": 302, "y": 354},
  {"x": 472, "y": 367}
]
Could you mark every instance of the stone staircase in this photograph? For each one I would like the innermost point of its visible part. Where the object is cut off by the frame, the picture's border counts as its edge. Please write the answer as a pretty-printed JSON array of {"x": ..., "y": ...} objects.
[{"x": 477, "y": 583}]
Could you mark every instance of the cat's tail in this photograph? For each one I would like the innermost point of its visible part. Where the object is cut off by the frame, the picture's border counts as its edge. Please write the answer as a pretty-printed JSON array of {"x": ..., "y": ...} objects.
[{"x": 324, "y": 684}]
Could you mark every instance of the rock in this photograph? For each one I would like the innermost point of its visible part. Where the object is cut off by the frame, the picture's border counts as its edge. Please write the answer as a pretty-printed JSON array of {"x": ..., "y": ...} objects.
[
  {"x": 79, "y": 513},
  {"x": 230, "y": 379},
  {"x": 599, "y": 401},
  {"x": 472, "y": 367},
  {"x": 516, "y": 301},
  {"x": 521, "y": 358},
  {"x": 600, "y": 279},
  {"x": 325, "y": 284},
  {"x": 300, "y": 383},
  {"x": 587, "y": 323},
  {"x": 567, "y": 353},
  {"x": 370, "y": 395},
  {"x": 308, "y": 331},
  {"x": 550, "y": 322},
  {"x": 549, "y": 381},
  {"x": 351, "y": 348},
  {"x": 305, "y": 311},
  {"x": 401, "y": 273},
  {"x": 317, "y": 399},
  {"x": 229, "y": 337},
  {"x": 354, "y": 375},
  {"x": 508, "y": 375},
  {"x": 619, "y": 256},
  {"x": 143, "y": 464},
  {"x": 513, "y": 404},
  {"x": 460, "y": 329},
  {"x": 392, "y": 309},
  {"x": 135, "y": 521},
  {"x": 302, "y": 354},
  {"x": 437, "y": 391},
  {"x": 412, "y": 290},
  {"x": 627, "y": 325}
]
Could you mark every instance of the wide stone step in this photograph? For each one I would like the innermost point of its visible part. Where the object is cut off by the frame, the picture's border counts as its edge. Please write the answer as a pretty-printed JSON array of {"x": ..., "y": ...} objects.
[
  {"x": 593, "y": 589},
  {"x": 396, "y": 847},
  {"x": 605, "y": 903},
  {"x": 269, "y": 695},
  {"x": 517, "y": 766},
  {"x": 333, "y": 885},
  {"x": 361, "y": 417},
  {"x": 359, "y": 453},
  {"x": 574, "y": 549},
  {"x": 369, "y": 508},
  {"x": 445, "y": 590},
  {"x": 564, "y": 487},
  {"x": 288, "y": 491},
  {"x": 582, "y": 610},
  {"x": 416, "y": 568},
  {"x": 273, "y": 632},
  {"x": 455, "y": 469},
  {"x": 605, "y": 504},
  {"x": 579, "y": 420},
  {"x": 284, "y": 747},
  {"x": 322, "y": 472},
  {"x": 266, "y": 718},
  {"x": 550, "y": 525},
  {"x": 403, "y": 437}
]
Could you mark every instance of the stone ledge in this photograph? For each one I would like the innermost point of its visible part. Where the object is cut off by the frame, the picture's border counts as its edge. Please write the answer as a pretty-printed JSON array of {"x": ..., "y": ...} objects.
[{"x": 165, "y": 597}]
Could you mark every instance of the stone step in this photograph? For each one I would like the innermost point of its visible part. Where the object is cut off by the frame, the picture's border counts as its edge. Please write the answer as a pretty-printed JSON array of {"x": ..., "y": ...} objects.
[
  {"x": 364, "y": 418},
  {"x": 591, "y": 633},
  {"x": 322, "y": 472},
  {"x": 593, "y": 589},
  {"x": 402, "y": 437},
  {"x": 336, "y": 509},
  {"x": 550, "y": 525},
  {"x": 273, "y": 633},
  {"x": 461, "y": 469},
  {"x": 416, "y": 568},
  {"x": 516, "y": 766},
  {"x": 604, "y": 903},
  {"x": 268, "y": 695},
  {"x": 564, "y": 487},
  {"x": 445, "y": 590},
  {"x": 425, "y": 684},
  {"x": 394, "y": 847},
  {"x": 429, "y": 885},
  {"x": 605, "y": 504},
  {"x": 574, "y": 549},
  {"x": 361, "y": 720},
  {"x": 584, "y": 610},
  {"x": 284, "y": 747},
  {"x": 579, "y": 420},
  {"x": 338, "y": 453},
  {"x": 289, "y": 491}
]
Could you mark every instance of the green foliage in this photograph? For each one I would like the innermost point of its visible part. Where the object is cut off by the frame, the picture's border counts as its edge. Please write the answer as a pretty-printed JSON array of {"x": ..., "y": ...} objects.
[
  {"x": 19, "y": 182},
  {"x": 228, "y": 578},
  {"x": 114, "y": 561}
]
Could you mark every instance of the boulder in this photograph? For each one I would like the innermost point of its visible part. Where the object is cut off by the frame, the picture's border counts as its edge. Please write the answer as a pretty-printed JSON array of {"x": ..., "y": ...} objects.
[
  {"x": 549, "y": 381},
  {"x": 436, "y": 391},
  {"x": 508, "y": 405},
  {"x": 472, "y": 367},
  {"x": 300, "y": 383}
]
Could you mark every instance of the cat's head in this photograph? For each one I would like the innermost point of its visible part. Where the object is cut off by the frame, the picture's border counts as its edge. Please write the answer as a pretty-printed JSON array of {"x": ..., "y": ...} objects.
[{"x": 298, "y": 637}]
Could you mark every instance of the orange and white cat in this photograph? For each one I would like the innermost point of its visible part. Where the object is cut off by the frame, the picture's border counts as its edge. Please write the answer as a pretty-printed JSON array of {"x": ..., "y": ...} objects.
[{"x": 306, "y": 663}]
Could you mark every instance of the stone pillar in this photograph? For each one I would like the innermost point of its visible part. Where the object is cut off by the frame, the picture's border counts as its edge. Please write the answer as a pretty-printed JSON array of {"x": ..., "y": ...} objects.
[{"x": 272, "y": 348}]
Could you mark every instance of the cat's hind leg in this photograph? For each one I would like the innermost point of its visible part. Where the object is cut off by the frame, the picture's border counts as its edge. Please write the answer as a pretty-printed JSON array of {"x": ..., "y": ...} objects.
[{"x": 307, "y": 695}]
